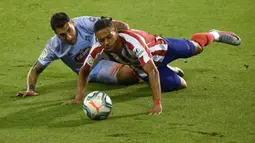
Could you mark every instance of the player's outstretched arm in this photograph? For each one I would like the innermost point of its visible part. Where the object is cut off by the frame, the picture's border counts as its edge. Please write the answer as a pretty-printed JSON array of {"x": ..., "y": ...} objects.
[
  {"x": 82, "y": 84},
  {"x": 32, "y": 77},
  {"x": 119, "y": 25},
  {"x": 154, "y": 80}
]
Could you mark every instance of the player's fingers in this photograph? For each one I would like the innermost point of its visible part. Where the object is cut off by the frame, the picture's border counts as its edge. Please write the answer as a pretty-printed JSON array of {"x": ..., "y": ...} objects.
[
  {"x": 111, "y": 71},
  {"x": 114, "y": 69},
  {"x": 65, "y": 103},
  {"x": 24, "y": 94},
  {"x": 154, "y": 113},
  {"x": 19, "y": 93},
  {"x": 35, "y": 94},
  {"x": 150, "y": 112}
]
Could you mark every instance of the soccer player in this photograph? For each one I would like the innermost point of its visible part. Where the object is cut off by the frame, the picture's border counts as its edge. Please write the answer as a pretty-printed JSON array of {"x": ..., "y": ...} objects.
[
  {"x": 148, "y": 56},
  {"x": 71, "y": 43}
]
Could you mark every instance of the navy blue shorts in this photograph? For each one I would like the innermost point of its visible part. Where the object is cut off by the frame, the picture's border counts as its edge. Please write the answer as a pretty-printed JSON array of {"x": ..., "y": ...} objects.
[{"x": 177, "y": 48}]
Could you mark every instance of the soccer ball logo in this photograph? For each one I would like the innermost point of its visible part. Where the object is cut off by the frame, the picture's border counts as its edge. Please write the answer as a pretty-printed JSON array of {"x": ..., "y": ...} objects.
[{"x": 97, "y": 105}]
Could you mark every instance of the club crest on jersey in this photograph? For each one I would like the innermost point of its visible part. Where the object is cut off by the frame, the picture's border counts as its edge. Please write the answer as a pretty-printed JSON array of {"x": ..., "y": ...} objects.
[
  {"x": 43, "y": 54},
  {"x": 139, "y": 52},
  {"x": 92, "y": 19},
  {"x": 90, "y": 60}
]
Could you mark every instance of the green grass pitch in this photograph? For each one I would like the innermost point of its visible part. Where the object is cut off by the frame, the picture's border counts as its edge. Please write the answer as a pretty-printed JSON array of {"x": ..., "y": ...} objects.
[{"x": 217, "y": 107}]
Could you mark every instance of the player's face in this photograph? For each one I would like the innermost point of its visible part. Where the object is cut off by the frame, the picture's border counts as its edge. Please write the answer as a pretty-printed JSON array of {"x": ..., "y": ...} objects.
[
  {"x": 67, "y": 33},
  {"x": 107, "y": 37}
]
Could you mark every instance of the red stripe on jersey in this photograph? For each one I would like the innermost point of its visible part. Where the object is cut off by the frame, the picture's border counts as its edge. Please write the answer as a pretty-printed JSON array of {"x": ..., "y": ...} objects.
[
  {"x": 96, "y": 51},
  {"x": 151, "y": 40},
  {"x": 148, "y": 38},
  {"x": 156, "y": 42},
  {"x": 130, "y": 46},
  {"x": 87, "y": 66},
  {"x": 142, "y": 61}
]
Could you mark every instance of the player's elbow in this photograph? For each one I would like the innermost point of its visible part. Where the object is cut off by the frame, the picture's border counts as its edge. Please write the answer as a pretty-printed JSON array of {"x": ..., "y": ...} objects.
[
  {"x": 83, "y": 71},
  {"x": 34, "y": 71}
]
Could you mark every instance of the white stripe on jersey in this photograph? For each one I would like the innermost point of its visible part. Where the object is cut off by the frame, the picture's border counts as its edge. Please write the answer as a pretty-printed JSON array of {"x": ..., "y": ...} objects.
[
  {"x": 158, "y": 47},
  {"x": 157, "y": 58},
  {"x": 139, "y": 50}
]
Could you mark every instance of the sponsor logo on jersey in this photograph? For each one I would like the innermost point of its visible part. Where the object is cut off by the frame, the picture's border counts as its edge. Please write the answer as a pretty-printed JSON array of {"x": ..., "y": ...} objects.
[
  {"x": 90, "y": 60},
  {"x": 82, "y": 54},
  {"x": 139, "y": 52},
  {"x": 43, "y": 54},
  {"x": 92, "y": 19}
]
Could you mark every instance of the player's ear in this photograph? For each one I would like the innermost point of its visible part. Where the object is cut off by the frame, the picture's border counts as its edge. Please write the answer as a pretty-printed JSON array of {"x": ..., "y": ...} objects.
[{"x": 115, "y": 30}]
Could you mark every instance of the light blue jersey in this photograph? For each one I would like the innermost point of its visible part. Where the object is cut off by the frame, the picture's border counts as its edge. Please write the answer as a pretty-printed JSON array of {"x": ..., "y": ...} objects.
[{"x": 74, "y": 55}]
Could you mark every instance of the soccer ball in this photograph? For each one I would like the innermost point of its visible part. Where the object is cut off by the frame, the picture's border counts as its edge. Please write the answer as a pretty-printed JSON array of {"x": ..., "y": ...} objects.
[{"x": 97, "y": 105}]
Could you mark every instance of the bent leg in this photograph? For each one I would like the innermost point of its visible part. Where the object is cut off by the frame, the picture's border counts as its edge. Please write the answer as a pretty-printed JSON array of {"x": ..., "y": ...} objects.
[
  {"x": 170, "y": 81},
  {"x": 179, "y": 48},
  {"x": 200, "y": 40}
]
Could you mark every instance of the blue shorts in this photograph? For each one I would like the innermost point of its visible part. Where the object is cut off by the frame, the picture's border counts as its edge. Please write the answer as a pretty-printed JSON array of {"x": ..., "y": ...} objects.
[
  {"x": 177, "y": 48},
  {"x": 169, "y": 80}
]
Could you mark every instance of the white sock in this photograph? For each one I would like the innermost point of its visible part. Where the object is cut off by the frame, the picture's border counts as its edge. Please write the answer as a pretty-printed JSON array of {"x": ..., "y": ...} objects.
[{"x": 216, "y": 35}]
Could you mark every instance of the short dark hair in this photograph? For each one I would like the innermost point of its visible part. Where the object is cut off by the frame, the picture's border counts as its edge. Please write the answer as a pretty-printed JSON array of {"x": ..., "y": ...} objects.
[
  {"x": 102, "y": 23},
  {"x": 58, "y": 20}
]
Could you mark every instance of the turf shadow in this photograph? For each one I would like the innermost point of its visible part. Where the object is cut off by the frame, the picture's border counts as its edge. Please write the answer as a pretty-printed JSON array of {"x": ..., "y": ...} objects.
[
  {"x": 83, "y": 121},
  {"x": 36, "y": 116}
]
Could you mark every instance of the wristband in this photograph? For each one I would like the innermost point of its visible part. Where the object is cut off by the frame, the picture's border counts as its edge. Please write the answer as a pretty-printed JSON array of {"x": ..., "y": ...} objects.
[{"x": 157, "y": 101}]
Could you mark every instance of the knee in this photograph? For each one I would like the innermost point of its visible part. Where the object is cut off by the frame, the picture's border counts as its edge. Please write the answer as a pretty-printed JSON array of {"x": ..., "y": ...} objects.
[
  {"x": 173, "y": 86},
  {"x": 198, "y": 48},
  {"x": 183, "y": 84}
]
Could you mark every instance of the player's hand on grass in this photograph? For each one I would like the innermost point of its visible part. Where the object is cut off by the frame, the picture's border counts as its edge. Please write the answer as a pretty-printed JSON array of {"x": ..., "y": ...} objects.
[
  {"x": 27, "y": 93},
  {"x": 75, "y": 101},
  {"x": 156, "y": 109}
]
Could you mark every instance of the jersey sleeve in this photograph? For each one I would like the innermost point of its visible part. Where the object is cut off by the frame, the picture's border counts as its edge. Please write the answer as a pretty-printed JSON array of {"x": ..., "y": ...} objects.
[
  {"x": 94, "y": 57},
  {"x": 47, "y": 55}
]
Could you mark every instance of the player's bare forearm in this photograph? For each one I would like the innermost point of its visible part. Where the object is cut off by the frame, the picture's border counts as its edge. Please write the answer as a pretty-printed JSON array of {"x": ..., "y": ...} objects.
[
  {"x": 82, "y": 83},
  {"x": 154, "y": 80},
  {"x": 155, "y": 84},
  {"x": 31, "y": 79},
  {"x": 33, "y": 75},
  {"x": 119, "y": 25}
]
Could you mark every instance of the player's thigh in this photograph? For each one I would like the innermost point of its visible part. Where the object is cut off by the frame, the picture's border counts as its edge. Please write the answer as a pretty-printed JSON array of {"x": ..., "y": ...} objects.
[
  {"x": 125, "y": 75},
  {"x": 179, "y": 48},
  {"x": 169, "y": 80}
]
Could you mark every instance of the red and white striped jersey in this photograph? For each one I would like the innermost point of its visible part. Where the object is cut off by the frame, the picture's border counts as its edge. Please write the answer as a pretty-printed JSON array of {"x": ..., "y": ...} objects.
[{"x": 139, "y": 48}]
